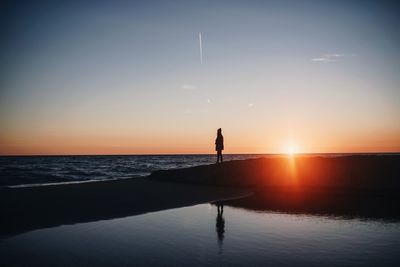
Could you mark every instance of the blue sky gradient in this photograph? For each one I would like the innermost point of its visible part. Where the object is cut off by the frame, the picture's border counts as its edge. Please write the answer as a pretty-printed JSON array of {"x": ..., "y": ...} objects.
[{"x": 125, "y": 76}]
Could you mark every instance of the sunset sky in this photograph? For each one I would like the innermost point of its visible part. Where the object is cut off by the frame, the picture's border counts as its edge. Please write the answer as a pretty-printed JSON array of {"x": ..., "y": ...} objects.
[{"x": 125, "y": 77}]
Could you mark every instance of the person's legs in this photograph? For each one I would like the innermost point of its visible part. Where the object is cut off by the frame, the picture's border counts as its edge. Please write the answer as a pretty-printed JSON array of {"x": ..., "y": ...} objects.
[{"x": 219, "y": 156}]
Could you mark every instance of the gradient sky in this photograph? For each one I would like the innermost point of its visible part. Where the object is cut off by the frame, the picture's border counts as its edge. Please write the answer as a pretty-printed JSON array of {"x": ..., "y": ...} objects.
[{"x": 110, "y": 77}]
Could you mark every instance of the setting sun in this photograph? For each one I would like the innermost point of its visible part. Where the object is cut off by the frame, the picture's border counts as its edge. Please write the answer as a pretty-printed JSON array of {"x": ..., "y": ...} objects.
[{"x": 291, "y": 148}]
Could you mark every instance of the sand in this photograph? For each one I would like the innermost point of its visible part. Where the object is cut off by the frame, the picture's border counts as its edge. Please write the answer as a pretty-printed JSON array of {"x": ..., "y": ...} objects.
[
  {"x": 360, "y": 173},
  {"x": 29, "y": 208},
  {"x": 363, "y": 186}
]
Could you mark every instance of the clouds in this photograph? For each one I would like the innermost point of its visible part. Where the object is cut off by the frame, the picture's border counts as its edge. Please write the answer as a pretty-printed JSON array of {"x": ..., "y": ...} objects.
[{"x": 328, "y": 58}]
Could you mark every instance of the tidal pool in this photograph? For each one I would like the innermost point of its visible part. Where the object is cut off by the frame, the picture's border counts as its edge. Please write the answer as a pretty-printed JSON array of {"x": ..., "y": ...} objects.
[{"x": 201, "y": 236}]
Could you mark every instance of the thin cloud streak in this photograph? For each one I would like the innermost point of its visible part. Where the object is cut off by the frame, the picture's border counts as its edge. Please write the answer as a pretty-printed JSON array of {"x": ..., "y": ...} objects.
[{"x": 327, "y": 58}]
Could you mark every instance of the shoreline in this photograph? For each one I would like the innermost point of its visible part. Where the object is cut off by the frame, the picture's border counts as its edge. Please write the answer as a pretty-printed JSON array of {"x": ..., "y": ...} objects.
[
  {"x": 365, "y": 186},
  {"x": 31, "y": 208}
]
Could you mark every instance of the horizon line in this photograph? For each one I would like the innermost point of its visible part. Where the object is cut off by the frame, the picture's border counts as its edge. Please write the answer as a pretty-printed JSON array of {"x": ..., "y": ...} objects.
[{"x": 195, "y": 154}]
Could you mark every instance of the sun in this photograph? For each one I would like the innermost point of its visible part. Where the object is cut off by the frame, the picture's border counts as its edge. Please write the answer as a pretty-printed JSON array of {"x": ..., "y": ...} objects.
[{"x": 291, "y": 148}]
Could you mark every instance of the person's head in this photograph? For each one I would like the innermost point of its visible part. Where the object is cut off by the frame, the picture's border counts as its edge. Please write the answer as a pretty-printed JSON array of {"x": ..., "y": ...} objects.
[{"x": 219, "y": 131}]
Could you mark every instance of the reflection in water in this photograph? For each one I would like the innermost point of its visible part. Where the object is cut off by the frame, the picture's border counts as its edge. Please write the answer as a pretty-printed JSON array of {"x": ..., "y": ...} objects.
[
  {"x": 220, "y": 224},
  {"x": 344, "y": 205},
  {"x": 187, "y": 237}
]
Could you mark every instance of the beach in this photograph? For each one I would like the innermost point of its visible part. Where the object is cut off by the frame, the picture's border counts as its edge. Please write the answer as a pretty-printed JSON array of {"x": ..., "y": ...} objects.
[
  {"x": 361, "y": 186},
  {"x": 200, "y": 133},
  {"x": 320, "y": 212},
  {"x": 350, "y": 186}
]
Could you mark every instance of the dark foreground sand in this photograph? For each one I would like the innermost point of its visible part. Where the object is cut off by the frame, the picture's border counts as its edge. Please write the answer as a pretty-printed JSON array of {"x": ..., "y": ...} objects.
[
  {"x": 360, "y": 173},
  {"x": 24, "y": 209},
  {"x": 366, "y": 186}
]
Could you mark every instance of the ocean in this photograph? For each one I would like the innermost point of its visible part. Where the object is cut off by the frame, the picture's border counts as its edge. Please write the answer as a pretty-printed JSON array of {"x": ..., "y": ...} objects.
[{"x": 40, "y": 170}]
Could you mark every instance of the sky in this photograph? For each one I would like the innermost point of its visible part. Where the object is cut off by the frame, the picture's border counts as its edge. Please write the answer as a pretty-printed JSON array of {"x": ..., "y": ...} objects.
[{"x": 128, "y": 77}]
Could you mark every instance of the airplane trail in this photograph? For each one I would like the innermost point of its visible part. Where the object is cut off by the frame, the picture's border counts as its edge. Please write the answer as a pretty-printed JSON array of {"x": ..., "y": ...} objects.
[{"x": 201, "y": 49}]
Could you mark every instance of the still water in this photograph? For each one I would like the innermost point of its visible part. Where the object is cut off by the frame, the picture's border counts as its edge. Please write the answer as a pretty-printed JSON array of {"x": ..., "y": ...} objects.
[{"x": 199, "y": 236}]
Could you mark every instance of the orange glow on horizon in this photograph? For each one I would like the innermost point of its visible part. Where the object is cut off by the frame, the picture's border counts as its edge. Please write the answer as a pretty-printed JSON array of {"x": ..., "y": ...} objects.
[{"x": 174, "y": 142}]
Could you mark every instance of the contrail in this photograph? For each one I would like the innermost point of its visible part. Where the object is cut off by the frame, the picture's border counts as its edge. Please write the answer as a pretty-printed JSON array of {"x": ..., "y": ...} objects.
[{"x": 201, "y": 49}]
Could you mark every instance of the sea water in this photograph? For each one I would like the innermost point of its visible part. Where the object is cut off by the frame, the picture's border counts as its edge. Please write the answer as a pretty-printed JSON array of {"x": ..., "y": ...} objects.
[
  {"x": 198, "y": 236},
  {"x": 37, "y": 170}
]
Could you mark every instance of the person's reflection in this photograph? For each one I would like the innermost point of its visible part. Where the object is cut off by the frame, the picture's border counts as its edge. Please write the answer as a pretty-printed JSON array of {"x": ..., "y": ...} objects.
[{"x": 220, "y": 224}]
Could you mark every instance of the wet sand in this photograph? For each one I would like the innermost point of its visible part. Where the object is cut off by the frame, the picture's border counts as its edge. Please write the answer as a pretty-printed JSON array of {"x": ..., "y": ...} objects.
[
  {"x": 359, "y": 173},
  {"x": 364, "y": 186},
  {"x": 29, "y": 208}
]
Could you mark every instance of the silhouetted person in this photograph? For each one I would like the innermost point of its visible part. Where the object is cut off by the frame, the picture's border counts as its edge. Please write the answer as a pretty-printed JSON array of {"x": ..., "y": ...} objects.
[
  {"x": 219, "y": 145},
  {"x": 220, "y": 224}
]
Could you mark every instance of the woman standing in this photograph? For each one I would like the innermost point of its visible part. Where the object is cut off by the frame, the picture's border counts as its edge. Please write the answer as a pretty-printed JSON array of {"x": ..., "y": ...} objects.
[{"x": 219, "y": 145}]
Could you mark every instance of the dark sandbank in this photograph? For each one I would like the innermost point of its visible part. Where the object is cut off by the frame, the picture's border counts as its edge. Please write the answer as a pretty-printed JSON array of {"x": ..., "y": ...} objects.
[
  {"x": 364, "y": 173},
  {"x": 366, "y": 186},
  {"x": 29, "y": 208}
]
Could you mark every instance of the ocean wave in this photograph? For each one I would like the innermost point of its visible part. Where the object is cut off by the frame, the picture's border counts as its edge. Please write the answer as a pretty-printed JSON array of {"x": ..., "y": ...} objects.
[{"x": 57, "y": 169}]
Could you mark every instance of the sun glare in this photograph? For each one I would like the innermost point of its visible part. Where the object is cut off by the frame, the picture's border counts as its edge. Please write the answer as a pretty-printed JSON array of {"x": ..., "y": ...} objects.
[{"x": 291, "y": 148}]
